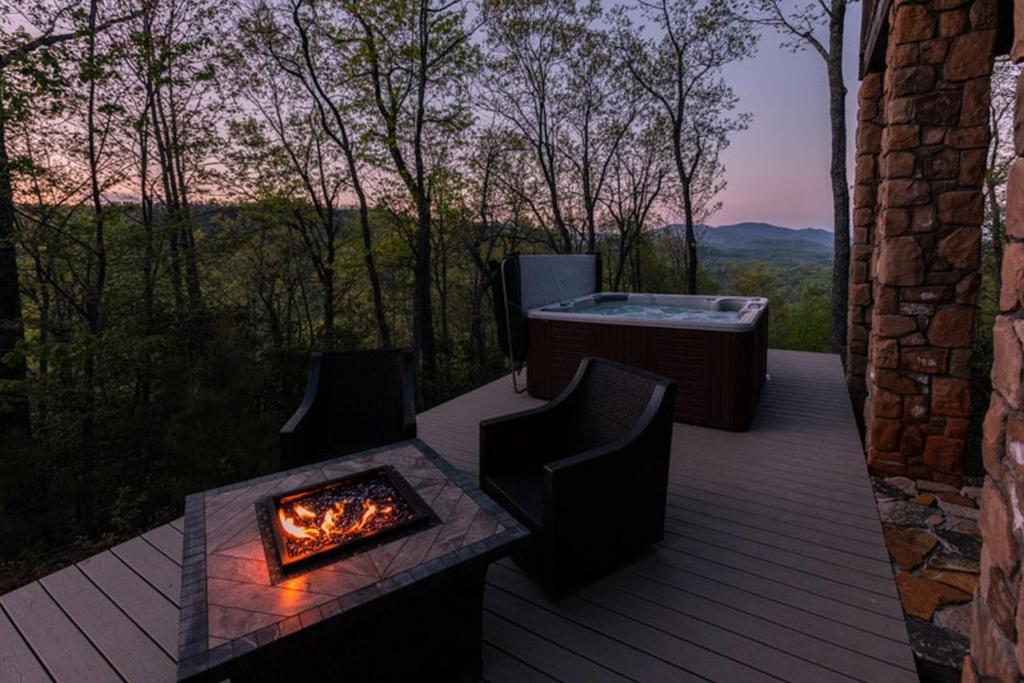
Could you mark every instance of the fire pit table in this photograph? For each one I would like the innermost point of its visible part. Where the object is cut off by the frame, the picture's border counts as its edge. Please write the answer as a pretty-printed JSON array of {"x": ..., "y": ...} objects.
[{"x": 367, "y": 566}]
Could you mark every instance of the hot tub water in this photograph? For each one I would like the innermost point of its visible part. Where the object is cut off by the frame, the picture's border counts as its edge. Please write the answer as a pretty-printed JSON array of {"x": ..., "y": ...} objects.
[{"x": 655, "y": 312}]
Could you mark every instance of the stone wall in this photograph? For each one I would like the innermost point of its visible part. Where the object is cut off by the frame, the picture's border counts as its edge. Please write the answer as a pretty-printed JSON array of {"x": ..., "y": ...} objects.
[
  {"x": 870, "y": 108},
  {"x": 927, "y": 236},
  {"x": 997, "y": 648}
]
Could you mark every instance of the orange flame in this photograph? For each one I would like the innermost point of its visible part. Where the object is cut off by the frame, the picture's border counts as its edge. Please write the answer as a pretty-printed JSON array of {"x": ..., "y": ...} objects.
[
  {"x": 331, "y": 517},
  {"x": 369, "y": 510},
  {"x": 306, "y": 526},
  {"x": 293, "y": 529}
]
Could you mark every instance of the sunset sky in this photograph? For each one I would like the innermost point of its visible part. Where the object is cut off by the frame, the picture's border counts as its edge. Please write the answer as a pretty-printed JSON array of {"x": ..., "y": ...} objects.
[{"x": 777, "y": 170}]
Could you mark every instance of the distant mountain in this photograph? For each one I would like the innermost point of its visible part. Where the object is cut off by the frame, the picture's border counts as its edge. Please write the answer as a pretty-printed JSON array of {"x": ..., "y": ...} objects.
[
  {"x": 751, "y": 234},
  {"x": 762, "y": 242}
]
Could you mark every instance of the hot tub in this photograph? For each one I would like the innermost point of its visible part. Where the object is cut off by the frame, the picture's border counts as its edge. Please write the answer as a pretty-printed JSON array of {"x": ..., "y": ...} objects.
[{"x": 713, "y": 347}]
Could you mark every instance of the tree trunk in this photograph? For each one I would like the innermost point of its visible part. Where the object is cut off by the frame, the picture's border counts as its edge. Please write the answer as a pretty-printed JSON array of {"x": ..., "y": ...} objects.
[
  {"x": 12, "y": 366},
  {"x": 341, "y": 139},
  {"x": 422, "y": 315},
  {"x": 691, "y": 241},
  {"x": 328, "y": 287},
  {"x": 998, "y": 230},
  {"x": 477, "y": 342},
  {"x": 148, "y": 263},
  {"x": 840, "y": 186},
  {"x": 637, "y": 279},
  {"x": 383, "y": 329}
]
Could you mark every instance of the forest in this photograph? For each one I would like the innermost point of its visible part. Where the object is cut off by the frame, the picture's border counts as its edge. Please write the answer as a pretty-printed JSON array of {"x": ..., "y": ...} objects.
[{"x": 195, "y": 194}]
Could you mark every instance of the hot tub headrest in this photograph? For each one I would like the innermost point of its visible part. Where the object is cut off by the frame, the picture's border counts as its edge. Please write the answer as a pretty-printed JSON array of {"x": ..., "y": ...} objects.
[
  {"x": 535, "y": 280},
  {"x": 549, "y": 278}
]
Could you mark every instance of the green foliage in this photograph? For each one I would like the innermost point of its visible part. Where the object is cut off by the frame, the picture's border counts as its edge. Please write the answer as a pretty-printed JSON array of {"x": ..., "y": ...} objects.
[
  {"x": 798, "y": 295},
  {"x": 798, "y": 300}
]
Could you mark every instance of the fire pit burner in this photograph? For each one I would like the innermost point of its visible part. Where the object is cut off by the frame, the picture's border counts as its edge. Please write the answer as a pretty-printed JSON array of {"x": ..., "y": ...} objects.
[{"x": 341, "y": 516}]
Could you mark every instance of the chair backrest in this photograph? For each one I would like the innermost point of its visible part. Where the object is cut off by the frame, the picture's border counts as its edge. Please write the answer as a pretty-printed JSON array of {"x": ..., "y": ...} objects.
[
  {"x": 362, "y": 394},
  {"x": 609, "y": 401}
]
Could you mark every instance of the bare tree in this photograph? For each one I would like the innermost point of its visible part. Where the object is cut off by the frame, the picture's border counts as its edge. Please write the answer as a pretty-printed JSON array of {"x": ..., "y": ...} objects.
[
  {"x": 637, "y": 180},
  {"x": 287, "y": 137},
  {"x": 530, "y": 52},
  {"x": 601, "y": 104},
  {"x": 800, "y": 27},
  {"x": 680, "y": 68},
  {"x": 418, "y": 56},
  {"x": 298, "y": 47},
  {"x": 53, "y": 26}
]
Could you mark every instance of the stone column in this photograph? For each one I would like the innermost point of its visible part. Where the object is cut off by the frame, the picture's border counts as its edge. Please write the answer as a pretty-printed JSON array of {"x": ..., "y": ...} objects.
[
  {"x": 997, "y": 649},
  {"x": 928, "y": 236},
  {"x": 870, "y": 107}
]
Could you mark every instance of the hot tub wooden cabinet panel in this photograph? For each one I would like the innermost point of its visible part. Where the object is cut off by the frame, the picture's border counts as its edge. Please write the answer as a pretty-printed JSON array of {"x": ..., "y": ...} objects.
[{"x": 718, "y": 374}]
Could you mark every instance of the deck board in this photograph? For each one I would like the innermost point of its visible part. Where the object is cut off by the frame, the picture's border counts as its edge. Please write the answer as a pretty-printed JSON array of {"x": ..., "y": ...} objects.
[
  {"x": 18, "y": 663},
  {"x": 147, "y": 607},
  {"x": 773, "y": 567},
  {"x": 129, "y": 650},
  {"x": 65, "y": 651}
]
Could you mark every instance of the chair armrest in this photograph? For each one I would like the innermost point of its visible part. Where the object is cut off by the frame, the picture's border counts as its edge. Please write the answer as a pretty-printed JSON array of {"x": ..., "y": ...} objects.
[
  {"x": 298, "y": 436},
  {"x": 518, "y": 440}
]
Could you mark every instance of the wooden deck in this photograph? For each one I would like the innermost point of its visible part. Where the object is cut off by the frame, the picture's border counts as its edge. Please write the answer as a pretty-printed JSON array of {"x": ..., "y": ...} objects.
[{"x": 773, "y": 568}]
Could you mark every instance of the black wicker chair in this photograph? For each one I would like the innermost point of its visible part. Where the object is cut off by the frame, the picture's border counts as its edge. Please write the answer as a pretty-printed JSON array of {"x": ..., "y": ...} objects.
[
  {"x": 354, "y": 400},
  {"x": 587, "y": 473}
]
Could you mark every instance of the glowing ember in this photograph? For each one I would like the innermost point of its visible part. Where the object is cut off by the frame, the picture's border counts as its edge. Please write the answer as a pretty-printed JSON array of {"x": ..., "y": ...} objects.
[{"x": 334, "y": 514}]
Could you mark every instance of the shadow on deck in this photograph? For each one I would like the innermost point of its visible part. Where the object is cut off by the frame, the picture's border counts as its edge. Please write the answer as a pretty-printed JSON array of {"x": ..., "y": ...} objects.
[{"x": 773, "y": 567}]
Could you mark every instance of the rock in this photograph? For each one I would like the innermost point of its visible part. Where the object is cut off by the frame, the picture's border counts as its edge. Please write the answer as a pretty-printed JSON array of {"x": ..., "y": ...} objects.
[
  {"x": 1007, "y": 366},
  {"x": 903, "y": 513},
  {"x": 923, "y": 359},
  {"x": 962, "y": 525},
  {"x": 960, "y": 511},
  {"x": 939, "y": 647},
  {"x": 970, "y": 672},
  {"x": 899, "y": 258},
  {"x": 952, "y": 327},
  {"x": 956, "y": 618},
  {"x": 913, "y": 23},
  {"x": 951, "y": 396},
  {"x": 907, "y": 486},
  {"x": 925, "y": 499},
  {"x": 908, "y": 547},
  {"x": 892, "y": 326},
  {"x": 960, "y": 580},
  {"x": 993, "y": 435},
  {"x": 934, "y": 486},
  {"x": 964, "y": 545},
  {"x": 884, "y": 434},
  {"x": 972, "y": 492},
  {"x": 1015, "y": 186},
  {"x": 970, "y": 56},
  {"x": 995, "y": 529},
  {"x": 942, "y": 453},
  {"x": 921, "y": 596},
  {"x": 962, "y": 206},
  {"x": 1012, "y": 273},
  {"x": 953, "y": 563},
  {"x": 957, "y": 499},
  {"x": 993, "y": 653}
]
